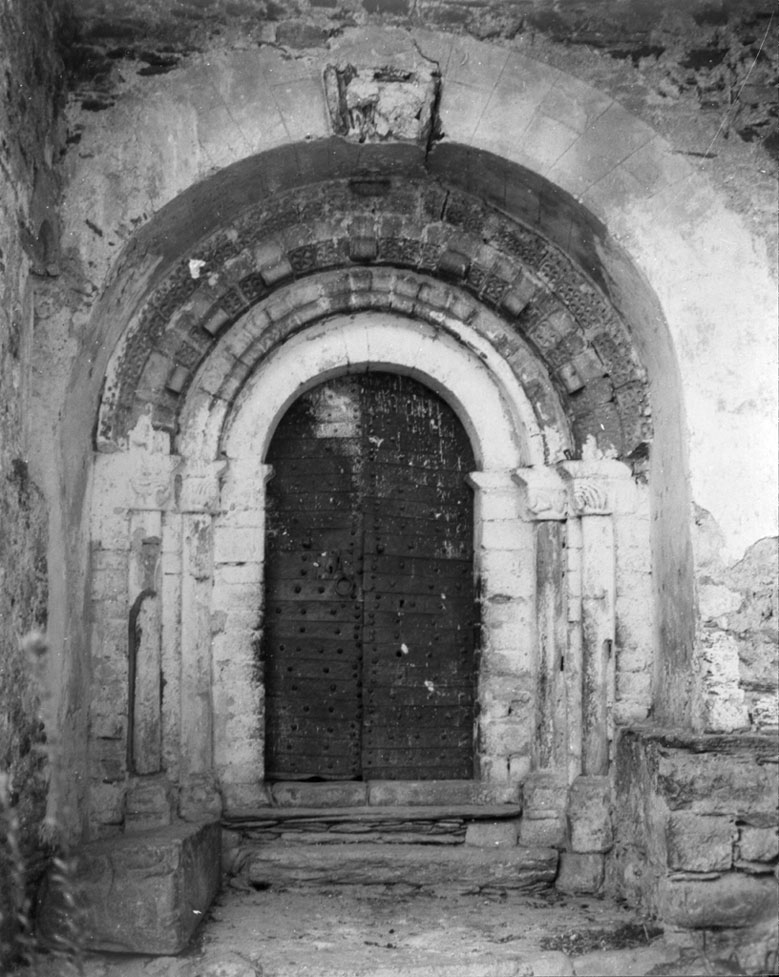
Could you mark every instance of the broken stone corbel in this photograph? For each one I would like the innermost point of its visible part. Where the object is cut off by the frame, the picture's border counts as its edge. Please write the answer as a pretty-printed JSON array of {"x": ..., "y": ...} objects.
[
  {"x": 543, "y": 494},
  {"x": 379, "y": 103}
]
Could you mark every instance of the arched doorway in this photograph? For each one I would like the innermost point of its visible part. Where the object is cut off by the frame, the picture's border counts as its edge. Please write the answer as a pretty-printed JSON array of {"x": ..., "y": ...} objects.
[{"x": 370, "y": 605}]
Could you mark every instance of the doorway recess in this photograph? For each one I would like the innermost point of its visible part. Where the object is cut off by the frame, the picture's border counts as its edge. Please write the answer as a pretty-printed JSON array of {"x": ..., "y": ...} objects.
[{"x": 369, "y": 643}]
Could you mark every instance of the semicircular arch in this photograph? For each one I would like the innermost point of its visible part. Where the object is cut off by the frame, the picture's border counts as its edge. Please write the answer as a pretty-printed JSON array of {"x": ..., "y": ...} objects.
[{"x": 498, "y": 420}]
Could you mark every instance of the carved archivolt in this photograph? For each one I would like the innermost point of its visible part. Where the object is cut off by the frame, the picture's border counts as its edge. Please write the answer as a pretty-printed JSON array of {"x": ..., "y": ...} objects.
[{"x": 360, "y": 227}]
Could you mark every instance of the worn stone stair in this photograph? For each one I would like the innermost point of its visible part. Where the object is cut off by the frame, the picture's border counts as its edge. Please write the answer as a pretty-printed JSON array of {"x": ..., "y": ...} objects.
[
  {"x": 465, "y": 848},
  {"x": 462, "y": 868}
]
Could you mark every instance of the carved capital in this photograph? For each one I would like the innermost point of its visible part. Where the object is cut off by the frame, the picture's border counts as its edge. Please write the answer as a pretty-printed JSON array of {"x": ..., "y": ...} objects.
[
  {"x": 200, "y": 486},
  {"x": 151, "y": 485},
  {"x": 592, "y": 485},
  {"x": 588, "y": 497},
  {"x": 543, "y": 494}
]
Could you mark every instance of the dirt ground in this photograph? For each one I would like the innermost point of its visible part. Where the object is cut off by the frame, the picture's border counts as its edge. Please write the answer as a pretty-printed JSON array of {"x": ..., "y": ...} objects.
[{"x": 398, "y": 931}]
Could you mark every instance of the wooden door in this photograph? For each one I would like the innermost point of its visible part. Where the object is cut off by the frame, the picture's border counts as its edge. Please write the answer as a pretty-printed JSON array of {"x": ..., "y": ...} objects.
[{"x": 369, "y": 617}]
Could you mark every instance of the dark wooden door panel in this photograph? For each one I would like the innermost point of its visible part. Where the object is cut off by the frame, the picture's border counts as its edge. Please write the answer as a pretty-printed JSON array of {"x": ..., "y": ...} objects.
[
  {"x": 412, "y": 694},
  {"x": 425, "y": 763},
  {"x": 416, "y": 471},
  {"x": 312, "y": 618},
  {"x": 369, "y": 602}
]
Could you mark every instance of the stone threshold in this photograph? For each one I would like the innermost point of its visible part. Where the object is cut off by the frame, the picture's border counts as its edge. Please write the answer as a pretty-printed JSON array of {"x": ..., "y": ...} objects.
[
  {"x": 370, "y": 794},
  {"x": 375, "y": 815}
]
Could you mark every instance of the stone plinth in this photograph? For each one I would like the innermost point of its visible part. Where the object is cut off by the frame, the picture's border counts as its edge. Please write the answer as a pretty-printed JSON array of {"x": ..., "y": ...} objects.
[
  {"x": 696, "y": 828},
  {"x": 145, "y": 892}
]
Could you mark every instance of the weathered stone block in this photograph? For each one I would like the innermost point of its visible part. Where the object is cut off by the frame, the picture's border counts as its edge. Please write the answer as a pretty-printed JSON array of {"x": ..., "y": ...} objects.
[
  {"x": 544, "y": 795},
  {"x": 746, "y": 950},
  {"x": 580, "y": 872},
  {"x": 715, "y": 776},
  {"x": 110, "y": 759},
  {"x": 106, "y": 803},
  {"x": 492, "y": 834},
  {"x": 718, "y": 702},
  {"x": 148, "y": 805},
  {"x": 758, "y": 844},
  {"x": 106, "y": 718},
  {"x": 547, "y": 832},
  {"x": 505, "y": 735},
  {"x": 732, "y": 900},
  {"x": 319, "y": 795},
  {"x": 237, "y": 545},
  {"x": 699, "y": 842},
  {"x": 633, "y": 696},
  {"x": 507, "y": 572},
  {"x": 363, "y": 248},
  {"x": 519, "y": 769},
  {"x": 495, "y": 770},
  {"x": 366, "y": 107},
  {"x": 589, "y": 815},
  {"x": 199, "y": 800},
  {"x": 439, "y": 792},
  {"x": 459, "y": 867},
  {"x": 504, "y": 534},
  {"x": 244, "y": 797},
  {"x": 145, "y": 893}
]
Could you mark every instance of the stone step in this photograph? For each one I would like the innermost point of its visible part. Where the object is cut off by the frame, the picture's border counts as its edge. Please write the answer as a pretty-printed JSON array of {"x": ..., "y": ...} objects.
[
  {"x": 461, "y": 868},
  {"x": 365, "y": 813},
  {"x": 432, "y": 825}
]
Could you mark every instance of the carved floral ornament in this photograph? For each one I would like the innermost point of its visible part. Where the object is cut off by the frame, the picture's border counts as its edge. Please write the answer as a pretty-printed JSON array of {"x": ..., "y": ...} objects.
[{"x": 430, "y": 239}]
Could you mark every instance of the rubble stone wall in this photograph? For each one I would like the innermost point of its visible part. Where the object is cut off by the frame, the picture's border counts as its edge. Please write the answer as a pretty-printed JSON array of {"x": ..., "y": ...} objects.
[
  {"x": 696, "y": 821},
  {"x": 31, "y": 104},
  {"x": 738, "y": 669}
]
